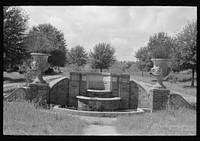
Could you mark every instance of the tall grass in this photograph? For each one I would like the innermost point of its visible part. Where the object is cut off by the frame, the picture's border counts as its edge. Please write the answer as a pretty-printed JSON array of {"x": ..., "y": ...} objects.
[
  {"x": 168, "y": 122},
  {"x": 21, "y": 118}
]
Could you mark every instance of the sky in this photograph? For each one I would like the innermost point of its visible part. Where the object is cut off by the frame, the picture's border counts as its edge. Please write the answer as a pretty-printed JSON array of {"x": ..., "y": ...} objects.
[{"x": 126, "y": 28}]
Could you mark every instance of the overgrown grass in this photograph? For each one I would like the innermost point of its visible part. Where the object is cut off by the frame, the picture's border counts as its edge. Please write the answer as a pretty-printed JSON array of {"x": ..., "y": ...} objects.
[
  {"x": 168, "y": 122},
  {"x": 21, "y": 118}
]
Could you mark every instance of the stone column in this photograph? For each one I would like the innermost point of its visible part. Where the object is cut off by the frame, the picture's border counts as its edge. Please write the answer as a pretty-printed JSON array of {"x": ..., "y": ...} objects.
[
  {"x": 133, "y": 95},
  {"x": 74, "y": 88},
  {"x": 124, "y": 80},
  {"x": 115, "y": 85},
  {"x": 158, "y": 99},
  {"x": 83, "y": 84},
  {"x": 39, "y": 93}
]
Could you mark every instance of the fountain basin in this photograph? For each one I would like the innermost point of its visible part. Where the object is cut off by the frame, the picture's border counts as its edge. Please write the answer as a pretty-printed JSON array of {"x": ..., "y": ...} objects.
[
  {"x": 98, "y": 104},
  {"x": 99, "y": 93},
  {"x": 129, "y": 112}
]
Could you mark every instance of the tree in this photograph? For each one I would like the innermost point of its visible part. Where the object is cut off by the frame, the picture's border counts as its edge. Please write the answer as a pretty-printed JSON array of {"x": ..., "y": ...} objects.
[
  {"x": 175, "y": 59},
  {"x": 144, "y": 62},
  {"x": 46, "y": 38},
  {"x": 160, "y": 45},
  {"x": 57, "y": 58},
  {"x": 102, "y": 57},
  {"x": 55, "y": 36},
  {"x": 78, "y": 55},
  {"x": 37, "y": 42},
  {"x": 187, "y": 45},
  {"x": 14, "y": 32}
]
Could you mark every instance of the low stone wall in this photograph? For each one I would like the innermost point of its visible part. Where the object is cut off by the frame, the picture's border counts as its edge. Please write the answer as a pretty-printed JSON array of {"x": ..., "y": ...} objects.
[
  {"x": 98, "y": 104},
  {"x": 176, "y": 101},
  {"x": 59, "y": 91},
  {"x": 63, "y": 91}
]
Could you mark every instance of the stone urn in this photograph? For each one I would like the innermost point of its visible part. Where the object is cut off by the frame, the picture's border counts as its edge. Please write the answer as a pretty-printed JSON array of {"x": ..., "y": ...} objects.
[
  {"x": 160, "y": 70},
  {"x": 40, "y": 64}
]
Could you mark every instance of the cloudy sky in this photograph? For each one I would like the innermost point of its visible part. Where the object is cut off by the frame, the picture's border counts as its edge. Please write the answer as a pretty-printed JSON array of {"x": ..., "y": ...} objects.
[{"x": 127, "y": 28}]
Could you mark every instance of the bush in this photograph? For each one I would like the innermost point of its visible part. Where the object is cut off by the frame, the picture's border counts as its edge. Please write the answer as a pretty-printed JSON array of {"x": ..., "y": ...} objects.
[
  {"x": 49, "y": 71},
  {"x": 172, "y": 78}
]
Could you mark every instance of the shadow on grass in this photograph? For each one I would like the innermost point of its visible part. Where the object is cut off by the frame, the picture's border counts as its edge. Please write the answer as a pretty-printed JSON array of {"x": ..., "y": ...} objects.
[
  {"x": 14, "y": 80},
  {"x": 190, "y": 87}
]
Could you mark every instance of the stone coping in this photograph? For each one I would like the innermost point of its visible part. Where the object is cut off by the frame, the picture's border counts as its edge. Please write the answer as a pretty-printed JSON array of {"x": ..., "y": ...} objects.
[
  {"x": 98, "y": 113},
  {"x": 55, "y": 81},
  {"x": 40, "y": 54},
  {"x": 97, "y": 98},
  {"x": 98, "y": 91}
]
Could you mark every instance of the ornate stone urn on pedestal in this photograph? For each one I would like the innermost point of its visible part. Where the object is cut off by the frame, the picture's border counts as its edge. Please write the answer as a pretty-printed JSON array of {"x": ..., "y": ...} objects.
[
  {"x": 160, "y": 70},
  {"x": 40, "y": 64},
  {"x": 159, "y": 95}
]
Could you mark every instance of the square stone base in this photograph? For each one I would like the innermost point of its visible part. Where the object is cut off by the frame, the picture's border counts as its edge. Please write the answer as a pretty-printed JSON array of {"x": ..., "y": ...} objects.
[
  {"x": 159, "y": 99},
  {"x": 39, "y": 90}
]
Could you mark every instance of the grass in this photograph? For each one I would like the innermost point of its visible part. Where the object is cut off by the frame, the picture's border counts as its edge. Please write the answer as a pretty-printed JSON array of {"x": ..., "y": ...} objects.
[
  {"x": 21, "y": 118},
  {"x": 168, "y": 122}
]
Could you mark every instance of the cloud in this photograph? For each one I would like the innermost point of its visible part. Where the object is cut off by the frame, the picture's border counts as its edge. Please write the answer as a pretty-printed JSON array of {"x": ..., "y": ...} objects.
[{"x": 127, "y": 28}]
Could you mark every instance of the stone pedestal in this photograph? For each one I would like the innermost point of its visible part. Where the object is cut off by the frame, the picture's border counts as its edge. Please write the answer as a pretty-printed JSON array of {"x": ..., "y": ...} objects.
[
  {"x": 158, "y": 99},
  {"x": 39, "y": 93}
]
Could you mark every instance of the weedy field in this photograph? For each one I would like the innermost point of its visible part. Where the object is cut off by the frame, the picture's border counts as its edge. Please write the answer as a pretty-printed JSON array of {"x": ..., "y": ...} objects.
[
  {"x": 22, "y": 118},
  {"x": 169, "y": 122}
]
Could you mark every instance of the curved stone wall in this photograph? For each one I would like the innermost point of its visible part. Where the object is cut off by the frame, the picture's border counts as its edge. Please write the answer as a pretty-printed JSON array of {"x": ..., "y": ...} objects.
[
  {"x": 143, "y": 95},
  {"x": 176, "y": 101},
  {"x": 59, "y": 90}
]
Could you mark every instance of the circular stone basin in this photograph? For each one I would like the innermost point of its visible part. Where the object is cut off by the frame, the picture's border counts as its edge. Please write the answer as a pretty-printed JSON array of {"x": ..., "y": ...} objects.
[{"x": 98, "y": 104}]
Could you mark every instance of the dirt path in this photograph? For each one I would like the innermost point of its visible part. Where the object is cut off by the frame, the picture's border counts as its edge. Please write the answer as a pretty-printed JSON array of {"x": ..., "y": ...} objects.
[
  {"x": 99, "y": 126},
  {"x": 100, "y": 130}
]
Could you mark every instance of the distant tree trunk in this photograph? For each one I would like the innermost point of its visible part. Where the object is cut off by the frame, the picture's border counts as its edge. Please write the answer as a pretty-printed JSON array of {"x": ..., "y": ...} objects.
[
  {"x": 192, "y": 83},
  {"x": 101, "y": 69}
]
